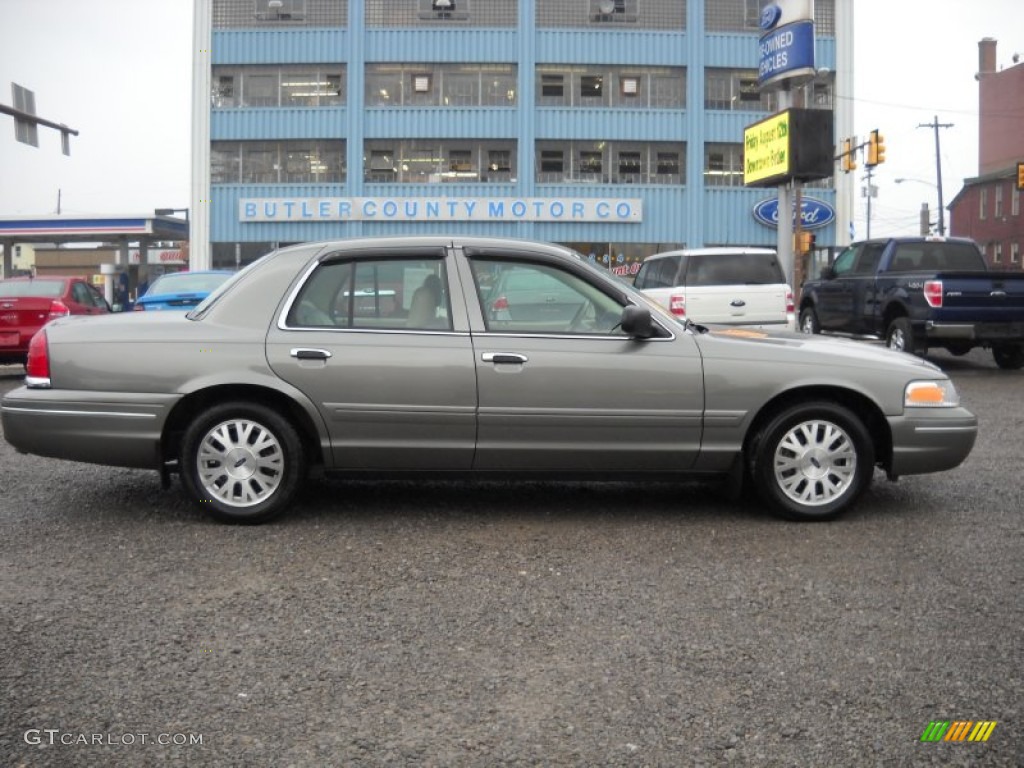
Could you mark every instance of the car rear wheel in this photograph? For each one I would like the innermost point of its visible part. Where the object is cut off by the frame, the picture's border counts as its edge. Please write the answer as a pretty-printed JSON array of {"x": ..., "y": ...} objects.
[
  {"x": 1009, "y": 357},
  {"x": 242, "y": 462},
  {"x": 809, "y": 321},
  {"x": 811, "y": 461}
]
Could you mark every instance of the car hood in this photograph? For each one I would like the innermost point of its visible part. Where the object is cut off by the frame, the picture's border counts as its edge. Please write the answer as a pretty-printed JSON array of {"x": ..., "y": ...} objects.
[{"x": 803, "y": 349}]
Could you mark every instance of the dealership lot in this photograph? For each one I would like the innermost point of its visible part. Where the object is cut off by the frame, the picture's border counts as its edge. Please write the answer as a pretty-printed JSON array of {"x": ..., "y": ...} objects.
[{"x": 538, "y": 624}]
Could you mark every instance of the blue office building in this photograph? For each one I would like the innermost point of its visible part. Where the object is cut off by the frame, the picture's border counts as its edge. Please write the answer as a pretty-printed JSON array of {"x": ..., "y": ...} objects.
[{"x": 613, "y": 126}]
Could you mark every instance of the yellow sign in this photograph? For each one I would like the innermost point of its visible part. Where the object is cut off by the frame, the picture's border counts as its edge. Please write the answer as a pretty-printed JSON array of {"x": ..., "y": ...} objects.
[
  {"x": 1020, "y": 175},
  {"x": 766, "y": 149}
]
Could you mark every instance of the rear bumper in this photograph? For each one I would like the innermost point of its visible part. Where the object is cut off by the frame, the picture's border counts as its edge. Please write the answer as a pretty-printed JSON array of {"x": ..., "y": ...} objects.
[
  {"x": 981, "y": 332},
  {"x": 932, "y": 440},
  {"x": 117, "y": 429}
]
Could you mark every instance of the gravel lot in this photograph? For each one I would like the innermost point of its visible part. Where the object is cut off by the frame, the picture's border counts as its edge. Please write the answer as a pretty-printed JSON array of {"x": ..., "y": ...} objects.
[{"x": 612, "y": 624}]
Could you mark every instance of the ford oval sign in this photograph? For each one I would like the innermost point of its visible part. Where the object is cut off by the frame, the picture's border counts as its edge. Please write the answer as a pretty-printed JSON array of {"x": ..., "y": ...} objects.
[
  {"x": 770, "y": 16},
  {"x": 814, "y": 214}
]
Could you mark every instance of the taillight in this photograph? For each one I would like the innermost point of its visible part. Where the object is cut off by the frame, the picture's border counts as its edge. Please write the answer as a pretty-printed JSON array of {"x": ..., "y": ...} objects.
[
  {"x": 677, "y": 305},
  {"x": 499, "y": 304},
  {"x": 37, "y": 367},
  {"x": 57, "y": 309},
  {"x": 790, "y": 306},
  {"x": 933, "y": 293}
]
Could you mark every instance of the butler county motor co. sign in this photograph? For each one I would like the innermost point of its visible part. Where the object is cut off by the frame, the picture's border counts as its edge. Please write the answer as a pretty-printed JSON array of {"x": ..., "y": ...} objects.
[{"x": 569, "y": 209}]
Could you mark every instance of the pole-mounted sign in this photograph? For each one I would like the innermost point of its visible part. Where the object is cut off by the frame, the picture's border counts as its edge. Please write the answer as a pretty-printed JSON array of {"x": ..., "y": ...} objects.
[{"x": 787, "y": 46}]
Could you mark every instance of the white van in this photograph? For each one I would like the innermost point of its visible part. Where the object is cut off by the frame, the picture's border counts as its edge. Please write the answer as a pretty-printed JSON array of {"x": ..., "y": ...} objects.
[{"x": 734, "y": 286}]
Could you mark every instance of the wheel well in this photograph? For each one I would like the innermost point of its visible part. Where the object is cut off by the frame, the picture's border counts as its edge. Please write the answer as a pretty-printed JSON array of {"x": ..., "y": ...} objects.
[
  {"x": 874, "y": 420},
  {"x": 194, "y": 403},
  {"x": 891, "y": 313},
  {"x": 807, "y": 303}
]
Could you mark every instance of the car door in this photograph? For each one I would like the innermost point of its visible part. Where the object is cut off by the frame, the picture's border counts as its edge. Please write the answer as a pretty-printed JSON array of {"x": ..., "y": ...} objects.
[
  {"x": 559, "y": 394},
  {"x": 393, "y": 379},
  {"x": 846, "y": 300}
]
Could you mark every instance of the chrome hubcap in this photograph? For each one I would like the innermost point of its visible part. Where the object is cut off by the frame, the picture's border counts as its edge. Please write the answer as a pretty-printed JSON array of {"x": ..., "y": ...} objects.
[
  {"x": 815, "y": 463},
  {"x": 240, "y": 463},
  {"x": 896, "y": 340},
  {"x": 808, "y": 326}
]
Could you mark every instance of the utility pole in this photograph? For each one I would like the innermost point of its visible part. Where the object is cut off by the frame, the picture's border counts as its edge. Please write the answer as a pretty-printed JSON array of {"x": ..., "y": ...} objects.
[
  {"x": 869, "y": 192},
  {"x": 935, "y": 125}
]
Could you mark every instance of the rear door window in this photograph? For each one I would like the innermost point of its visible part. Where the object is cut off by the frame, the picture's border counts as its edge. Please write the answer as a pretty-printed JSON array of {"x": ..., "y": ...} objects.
[{"x": 734, "y": 269}]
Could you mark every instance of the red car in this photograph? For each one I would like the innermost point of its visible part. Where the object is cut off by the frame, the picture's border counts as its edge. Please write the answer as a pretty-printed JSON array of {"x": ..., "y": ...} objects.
[{"x": 29, "y": 303}]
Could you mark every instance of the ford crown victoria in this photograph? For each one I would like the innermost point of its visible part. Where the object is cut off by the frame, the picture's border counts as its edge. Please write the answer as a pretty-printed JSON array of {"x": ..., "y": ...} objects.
[{"x": 408, "y": 355}]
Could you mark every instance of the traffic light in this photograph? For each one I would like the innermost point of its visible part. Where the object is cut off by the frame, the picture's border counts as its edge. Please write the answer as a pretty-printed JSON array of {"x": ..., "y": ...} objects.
[
  {"x": 849, "y": 162},
  {"x": 803, "y": 241},
  {"x": 876, "y": 149}
]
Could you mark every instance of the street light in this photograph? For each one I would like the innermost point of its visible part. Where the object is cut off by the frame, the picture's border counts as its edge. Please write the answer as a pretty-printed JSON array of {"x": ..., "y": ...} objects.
[{"x": 942, "y": 213}]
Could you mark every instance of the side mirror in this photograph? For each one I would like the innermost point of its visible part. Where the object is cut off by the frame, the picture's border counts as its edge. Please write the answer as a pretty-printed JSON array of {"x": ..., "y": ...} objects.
[
  {"x": 636, "y": 322},
  {"x": 828, "y": 273}
]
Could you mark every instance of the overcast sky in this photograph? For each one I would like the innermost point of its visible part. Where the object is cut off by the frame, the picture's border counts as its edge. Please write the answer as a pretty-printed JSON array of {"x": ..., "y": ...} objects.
[{"x": 119, "y": 71}]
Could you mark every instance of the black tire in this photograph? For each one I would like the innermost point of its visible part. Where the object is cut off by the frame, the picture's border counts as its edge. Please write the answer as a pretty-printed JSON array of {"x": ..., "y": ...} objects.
[
  {"x": 900, "y": 337},
  {"x": 811, "y": 461},
  {"x": 255, "y": 485},
  {"x": 1009, "y": 357},
  {"x": 809, "y": 321}
]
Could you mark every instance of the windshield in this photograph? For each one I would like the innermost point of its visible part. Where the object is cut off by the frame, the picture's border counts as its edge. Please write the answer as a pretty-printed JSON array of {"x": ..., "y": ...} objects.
[{"x": 187, "y": 282}]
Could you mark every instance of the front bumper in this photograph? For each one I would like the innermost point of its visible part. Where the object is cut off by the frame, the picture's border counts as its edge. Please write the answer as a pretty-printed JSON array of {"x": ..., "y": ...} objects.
[
  {"x": 931, "y": 440},
  {"x": 121, "y": 429}
]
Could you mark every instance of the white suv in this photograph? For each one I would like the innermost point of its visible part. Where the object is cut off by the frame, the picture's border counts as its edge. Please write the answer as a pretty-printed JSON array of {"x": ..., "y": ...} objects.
[{"x": 735, "y": 286}]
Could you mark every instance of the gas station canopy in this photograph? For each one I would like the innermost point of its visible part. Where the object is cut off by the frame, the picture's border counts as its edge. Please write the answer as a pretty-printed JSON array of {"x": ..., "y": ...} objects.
[{"x": 62, "y": 228}]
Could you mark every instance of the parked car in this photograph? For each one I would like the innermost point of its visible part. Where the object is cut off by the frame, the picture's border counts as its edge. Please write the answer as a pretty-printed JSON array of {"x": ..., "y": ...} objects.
[
  {"x": 734, "y": 286},
  {"x": 314, "y": 358},
  {"x": 918, "y": 293},
  {"x": 28, "y": 303},
  {"x": 180, "y": 290}
]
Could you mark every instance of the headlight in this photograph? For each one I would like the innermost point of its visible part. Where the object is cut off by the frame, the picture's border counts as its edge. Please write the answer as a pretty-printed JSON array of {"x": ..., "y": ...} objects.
[{"x": 930, "y": 394}]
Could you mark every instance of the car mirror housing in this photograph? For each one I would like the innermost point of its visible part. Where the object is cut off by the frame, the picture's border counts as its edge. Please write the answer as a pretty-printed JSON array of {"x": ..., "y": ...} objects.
[{"x": 636, "y": 322}]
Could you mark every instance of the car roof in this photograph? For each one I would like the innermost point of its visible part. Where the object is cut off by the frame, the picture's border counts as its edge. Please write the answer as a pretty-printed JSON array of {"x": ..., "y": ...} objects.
[{"x": 715, "y": 251}]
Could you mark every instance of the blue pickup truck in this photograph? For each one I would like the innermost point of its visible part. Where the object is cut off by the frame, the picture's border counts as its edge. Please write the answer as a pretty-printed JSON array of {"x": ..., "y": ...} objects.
[{"x": 918, "y": 293}]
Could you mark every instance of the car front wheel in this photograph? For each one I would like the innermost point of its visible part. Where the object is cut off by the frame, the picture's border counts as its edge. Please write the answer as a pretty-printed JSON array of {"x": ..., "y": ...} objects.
[
  {"x": 811, "y": 461},
  {"x": 809, "y": 321},
  {"x": 242, "y": 462}
]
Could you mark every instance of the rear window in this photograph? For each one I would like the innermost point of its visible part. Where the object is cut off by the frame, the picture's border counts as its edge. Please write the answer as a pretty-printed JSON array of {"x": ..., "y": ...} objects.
[
  {"x": 658, "y": 273},
  {"x": 734, "y": 269},
  {"x": 935, "y": 257},
  {"x": 49, "y": 289}
]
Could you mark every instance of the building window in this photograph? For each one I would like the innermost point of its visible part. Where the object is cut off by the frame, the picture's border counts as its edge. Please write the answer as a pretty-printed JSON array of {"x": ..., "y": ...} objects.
[
  {"x": 752, "y": 14},
  {"x": 998, "y": 202},
  {"x": 447, "y": 85},
  {"x": 566, "y": 85},
  {"x": 433, "y": 161},
  {"x": 1014, "y": 253},
  {"x": 1014, "y": 201},
  {"x": 552, "y": 161},
  {"x": 997, "y": 253},
  {"x": 286, "y": 86},
  {"x": 280, "y": 10},
  {"x": 311, "y": 161},
  {"x": 590, "y": 163},
  {"x": 609, "y": 162},
  {"x": 734, "y": 89},
  {"x": 612, "y": 11},
  {"x": 723, "y": 165},
  {"x": 444, "y": 10},
  {"x": 982, "y": 202},
  {"x": 591, "y": 89}
]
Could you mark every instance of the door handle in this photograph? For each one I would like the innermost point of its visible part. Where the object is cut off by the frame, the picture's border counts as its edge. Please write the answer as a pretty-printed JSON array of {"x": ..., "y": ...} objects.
[
  {"x": 503, "y": 357},
  {"x": 305, "y": 353}
]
